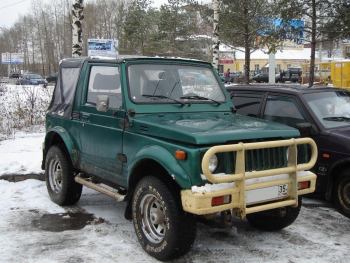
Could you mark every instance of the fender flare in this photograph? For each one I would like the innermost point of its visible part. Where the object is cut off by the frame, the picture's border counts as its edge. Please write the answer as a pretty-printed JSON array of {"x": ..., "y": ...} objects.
[
  {"x": 67, "y": 140},
  {"x": 164, "y": 158}
]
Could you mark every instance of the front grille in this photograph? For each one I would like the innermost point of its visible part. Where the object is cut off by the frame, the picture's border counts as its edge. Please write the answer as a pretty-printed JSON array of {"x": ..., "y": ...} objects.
[
  {"x": 261, "y": 159},
  {"x": 264, "y": 159}
]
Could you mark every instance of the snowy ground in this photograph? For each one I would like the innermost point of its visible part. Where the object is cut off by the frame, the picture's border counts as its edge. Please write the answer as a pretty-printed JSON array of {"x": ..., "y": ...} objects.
[
  {"x": 22, "y": 154},
  {"x": 33, "y": 229}
]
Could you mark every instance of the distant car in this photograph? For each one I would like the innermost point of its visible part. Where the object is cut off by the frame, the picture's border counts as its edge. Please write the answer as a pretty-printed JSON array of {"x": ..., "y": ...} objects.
[
  {"x": 264, "y": 77},
  {"x": 32, "y": 79},
  {"x": 291, "y": 74},
  {"x": 320, "y": 113},
  {"x": 15, "y": 75}
]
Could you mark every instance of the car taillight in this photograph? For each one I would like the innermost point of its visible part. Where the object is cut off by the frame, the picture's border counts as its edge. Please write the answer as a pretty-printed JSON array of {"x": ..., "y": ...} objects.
[
  {"x": 303, "y": 185},
  {"x": 220, "y": 200}
]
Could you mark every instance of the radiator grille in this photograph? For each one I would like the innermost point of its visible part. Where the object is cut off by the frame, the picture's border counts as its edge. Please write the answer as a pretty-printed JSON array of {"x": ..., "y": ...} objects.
[{"x": 261, "y": 159}]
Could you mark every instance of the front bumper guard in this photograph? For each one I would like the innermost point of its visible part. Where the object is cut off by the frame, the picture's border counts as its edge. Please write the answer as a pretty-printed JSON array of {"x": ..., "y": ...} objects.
[{"x": 200, "y": 203}]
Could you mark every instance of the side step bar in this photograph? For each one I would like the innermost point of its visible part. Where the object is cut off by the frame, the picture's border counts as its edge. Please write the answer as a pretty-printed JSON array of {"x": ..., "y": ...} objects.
[{"x": 99, "y": 188}]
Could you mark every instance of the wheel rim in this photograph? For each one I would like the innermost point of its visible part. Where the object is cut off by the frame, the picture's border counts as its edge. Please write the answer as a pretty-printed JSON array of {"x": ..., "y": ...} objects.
[
  {"x": 55, "y": 175},
  {"x": 345, "y": 194},
  {"x": 152, "y": 218}
]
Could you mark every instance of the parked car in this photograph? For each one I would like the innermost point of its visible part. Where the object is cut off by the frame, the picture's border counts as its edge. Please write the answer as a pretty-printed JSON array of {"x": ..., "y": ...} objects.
[
  {"x": 264, "y": 77},
  {"x": 291, "y": 74},
  {"x": 321, "y": 113},
  {"x": 15, "y": 75},
  {"x": 160, "y": 134},
  {"x": 31, "y": 79}
]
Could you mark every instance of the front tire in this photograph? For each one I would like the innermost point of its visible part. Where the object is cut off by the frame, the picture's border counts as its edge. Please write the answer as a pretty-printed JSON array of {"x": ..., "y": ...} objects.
[
  {"x": 342, "y": 193},
  {"x": 276, "y": 219},
  {"x": 59, "y": 176},
  {"x": 163, "y": 229}
]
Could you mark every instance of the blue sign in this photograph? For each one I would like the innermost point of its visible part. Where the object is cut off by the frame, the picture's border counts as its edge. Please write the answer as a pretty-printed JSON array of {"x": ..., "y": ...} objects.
[{"x": 12, "y": 58}]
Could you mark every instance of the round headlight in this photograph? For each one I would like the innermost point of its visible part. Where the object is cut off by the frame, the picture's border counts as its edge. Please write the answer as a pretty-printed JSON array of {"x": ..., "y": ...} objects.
[{"x": 213, "y": 163}]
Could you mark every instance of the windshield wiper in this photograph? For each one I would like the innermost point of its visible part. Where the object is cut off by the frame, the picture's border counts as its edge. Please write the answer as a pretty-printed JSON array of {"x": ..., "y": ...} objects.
[
  {"x": 336, "y": 118},
  {"x": 197, "y": 97},
  {"x": 162, "y": 97}
]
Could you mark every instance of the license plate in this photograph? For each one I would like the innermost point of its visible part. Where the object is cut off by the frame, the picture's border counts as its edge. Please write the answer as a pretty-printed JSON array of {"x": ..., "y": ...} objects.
[
  {"x": 266, "y": 194},
  {"x": 283, "y": 190}
]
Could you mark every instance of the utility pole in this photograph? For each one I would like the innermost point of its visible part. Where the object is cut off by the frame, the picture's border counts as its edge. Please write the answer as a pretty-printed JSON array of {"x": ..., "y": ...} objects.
[
  {"x": 77, "y": 18},
  {"x": 216, "y": 41}
]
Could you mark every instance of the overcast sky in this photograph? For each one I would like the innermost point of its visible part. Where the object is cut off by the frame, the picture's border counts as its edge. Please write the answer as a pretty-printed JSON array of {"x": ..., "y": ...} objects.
[{"x": 10, "y": 10}]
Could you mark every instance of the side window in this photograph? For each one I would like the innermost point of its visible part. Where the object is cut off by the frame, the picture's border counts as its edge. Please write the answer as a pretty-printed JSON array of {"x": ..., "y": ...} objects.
[
  {"x": 283, "y": 110},
  {"x": 247, "y": 104},
  {"x": 105, "y": 80}
]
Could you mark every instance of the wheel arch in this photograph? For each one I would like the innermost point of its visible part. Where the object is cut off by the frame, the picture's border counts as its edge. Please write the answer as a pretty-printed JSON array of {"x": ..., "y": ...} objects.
[
  {"x": 157, "y": 162},
  {"x": 59, "y": 136}
]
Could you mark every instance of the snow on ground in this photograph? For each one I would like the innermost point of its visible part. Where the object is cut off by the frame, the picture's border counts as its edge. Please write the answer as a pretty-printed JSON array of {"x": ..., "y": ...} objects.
[
  {"x": 320, "y": 234},
  {"x": 21, "y": 155}
]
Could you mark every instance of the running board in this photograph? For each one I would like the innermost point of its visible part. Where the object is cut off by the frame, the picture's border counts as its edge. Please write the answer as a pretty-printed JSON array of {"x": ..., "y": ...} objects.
[{"x": 99, "y": 188}]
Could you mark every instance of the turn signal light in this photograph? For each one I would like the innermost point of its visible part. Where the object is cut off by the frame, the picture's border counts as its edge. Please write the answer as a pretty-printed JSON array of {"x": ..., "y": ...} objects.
[
  {"x": 180, "y": 155},
  {"x": 303, "y": 185},
  {"x": 221, "y": 200}
]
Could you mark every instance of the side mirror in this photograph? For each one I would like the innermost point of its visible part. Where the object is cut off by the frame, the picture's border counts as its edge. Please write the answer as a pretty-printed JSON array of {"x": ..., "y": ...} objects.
[
  {"x": 305, "y": 129},
  {"x": 102, "y": 103}
]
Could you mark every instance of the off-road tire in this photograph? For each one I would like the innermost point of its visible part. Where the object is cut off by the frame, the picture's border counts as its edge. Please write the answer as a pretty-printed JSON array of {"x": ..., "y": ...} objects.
[
  {"x": 64, "y": 190},
  {"x": 276, "y": 219},
  {"x": 342, "y": 193},
  {"x": 179, "y": 227}
]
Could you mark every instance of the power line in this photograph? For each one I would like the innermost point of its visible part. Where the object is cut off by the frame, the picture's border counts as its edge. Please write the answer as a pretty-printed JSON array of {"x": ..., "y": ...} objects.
[{"x": 13, "y": 4}]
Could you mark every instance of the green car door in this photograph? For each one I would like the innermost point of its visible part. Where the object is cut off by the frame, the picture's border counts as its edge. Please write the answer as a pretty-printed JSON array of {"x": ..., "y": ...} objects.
[{"x": 102, "y": 133}]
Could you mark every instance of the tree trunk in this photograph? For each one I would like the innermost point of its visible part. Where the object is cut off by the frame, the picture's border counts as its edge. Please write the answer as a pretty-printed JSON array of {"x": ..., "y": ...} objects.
[
  {"x": 77, "y": 17},
  {"x": 313, "y": 44},
  {"x": 246, "y": 45},
  {"x": 216, "y": 41}
]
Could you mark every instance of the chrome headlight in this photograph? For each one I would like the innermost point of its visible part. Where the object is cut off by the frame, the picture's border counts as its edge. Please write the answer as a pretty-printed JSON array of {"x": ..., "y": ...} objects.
[{"x": 213, "y": 163}]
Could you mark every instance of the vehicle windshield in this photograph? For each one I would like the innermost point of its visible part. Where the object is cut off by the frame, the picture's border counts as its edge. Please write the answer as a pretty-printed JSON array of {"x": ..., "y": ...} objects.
[
  {"x": 331, "y": 108},
  {"x": 152, "y": 83}
]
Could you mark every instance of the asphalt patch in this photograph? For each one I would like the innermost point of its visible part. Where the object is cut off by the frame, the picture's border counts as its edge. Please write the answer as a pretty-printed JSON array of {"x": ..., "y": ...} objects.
[
  {"x": 64, "y": 221},
  {"x": 14, "y": 178}
]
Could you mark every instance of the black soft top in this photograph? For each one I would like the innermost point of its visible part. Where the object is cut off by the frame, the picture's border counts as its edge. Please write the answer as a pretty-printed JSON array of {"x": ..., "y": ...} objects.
[{"x": 66, "y": 84}]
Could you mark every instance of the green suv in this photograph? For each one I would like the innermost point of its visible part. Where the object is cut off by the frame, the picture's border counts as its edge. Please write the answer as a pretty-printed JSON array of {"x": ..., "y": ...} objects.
[{"x": 162, "y": 135}]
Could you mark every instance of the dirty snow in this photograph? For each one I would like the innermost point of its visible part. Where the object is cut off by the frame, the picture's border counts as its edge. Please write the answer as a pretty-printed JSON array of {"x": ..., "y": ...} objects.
[
  {"x": 21, "y": 155},
  {"x": 320, "y": 234}
]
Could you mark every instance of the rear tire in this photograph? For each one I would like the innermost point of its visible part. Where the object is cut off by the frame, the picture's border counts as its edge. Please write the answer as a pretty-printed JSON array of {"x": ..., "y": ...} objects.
[
  {"x": 276, "y": 219},
  {"x": 163, "y": 229},
  {"x": 59, "y": 176},
  {"x": 342, "y": 193}
]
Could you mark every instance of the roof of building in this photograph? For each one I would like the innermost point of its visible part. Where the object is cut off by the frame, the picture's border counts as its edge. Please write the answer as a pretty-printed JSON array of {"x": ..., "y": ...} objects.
[{"x": 286, "y": 54}]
